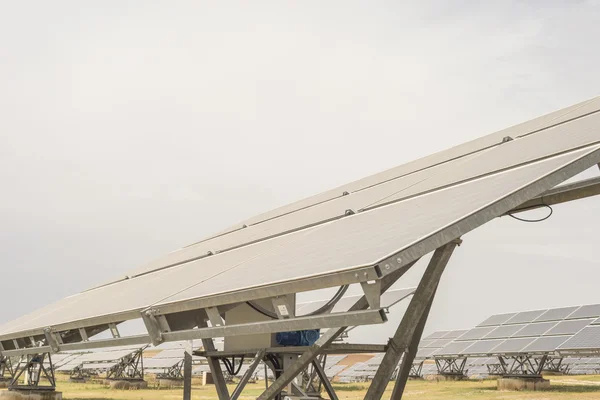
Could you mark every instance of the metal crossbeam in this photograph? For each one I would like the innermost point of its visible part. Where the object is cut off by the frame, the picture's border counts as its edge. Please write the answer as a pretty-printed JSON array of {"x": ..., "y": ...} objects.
[
  {"x": 562, "y": 194},
  {"x": 247, "y": 375}
]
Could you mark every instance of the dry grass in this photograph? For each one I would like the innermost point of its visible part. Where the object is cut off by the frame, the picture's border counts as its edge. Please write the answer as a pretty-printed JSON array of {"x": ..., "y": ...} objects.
[{"x": 564, "y": 388}]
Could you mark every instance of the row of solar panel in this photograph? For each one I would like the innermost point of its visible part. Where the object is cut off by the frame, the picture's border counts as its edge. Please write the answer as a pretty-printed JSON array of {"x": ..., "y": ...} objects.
[{"x": 539, "y": 331}]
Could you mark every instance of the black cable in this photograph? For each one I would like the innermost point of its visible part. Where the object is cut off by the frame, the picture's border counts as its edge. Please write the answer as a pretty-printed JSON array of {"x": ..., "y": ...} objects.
[
  {"x": 534, "y": 220},
  {"x": 237, "y": 371},
  {"x": 330, "y": 304}
]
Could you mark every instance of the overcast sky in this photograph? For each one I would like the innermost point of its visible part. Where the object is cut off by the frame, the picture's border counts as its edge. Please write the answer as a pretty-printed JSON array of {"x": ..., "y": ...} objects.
[{"x": 129, "y": 129}]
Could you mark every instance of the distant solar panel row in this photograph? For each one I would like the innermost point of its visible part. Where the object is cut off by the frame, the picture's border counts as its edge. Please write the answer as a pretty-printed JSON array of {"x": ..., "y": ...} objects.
[{"x": 529, "y": 332}]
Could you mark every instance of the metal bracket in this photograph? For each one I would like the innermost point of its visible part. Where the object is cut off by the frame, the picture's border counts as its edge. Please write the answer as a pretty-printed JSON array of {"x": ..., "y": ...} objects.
[
  {"x": 83, "y": 334},
  {"x": 114, "y": 331},
  {"x": 152, "y": 326},
  {"x": 372, "y": 290},
  {"x": 283, "y": 307},
  {"x": 214, "y": 316},
  {"x": 51, "y": 340}
]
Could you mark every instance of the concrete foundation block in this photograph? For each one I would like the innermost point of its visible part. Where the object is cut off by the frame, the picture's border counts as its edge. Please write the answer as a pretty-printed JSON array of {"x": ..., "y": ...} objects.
[
  {"x": 127, "y": 385},
  {"x": 445, "y": 378},
  {"x": 517, "y": 384},
  {"x": 164, "y": 383},
  {"x": 207, "y": 378},
  {"x": 30, "y": 395}
]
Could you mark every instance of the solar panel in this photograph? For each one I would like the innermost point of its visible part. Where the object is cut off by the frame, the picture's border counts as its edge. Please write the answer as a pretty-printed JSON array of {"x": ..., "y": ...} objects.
[
  {"x": 534, "y": 337},
  {"x": 525, "y": 316},
  {"x": 437, "y": 335},
  {"x": 588, "y": 338},
  {"x": 556, "y": 314},
  {"x": 477, "y": 333},
  {"x": 497, "y": 319},
  {"x": 513, "y": 345},
  {"x": 482, "y": 346},
  {"x": 423, "y": 353},
  {"x": 592, "y": 310},
  {"x": 569, "y": 327},
  {"x": 395, "y": 213},
  {"x": 535, "y": 329},
  {"x": 545, "y": 344},
  {"x": 456, "y": 334},
  {"x": 454, "y": 348},
  {"x": 426, "y": 343},
  {"x": 505, "y": 331},
  {"x": 440, "y": 343},
  {"x": 157, "y": 363}
]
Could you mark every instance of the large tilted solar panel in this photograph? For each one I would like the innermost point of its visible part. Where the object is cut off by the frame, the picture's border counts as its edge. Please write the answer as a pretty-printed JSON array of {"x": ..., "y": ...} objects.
[
  {"x": 528, "y": 332},
  {"x": 388, "y": 214}
]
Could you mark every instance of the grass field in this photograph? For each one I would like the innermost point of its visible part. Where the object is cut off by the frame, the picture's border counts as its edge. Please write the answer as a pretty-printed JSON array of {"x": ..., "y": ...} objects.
[{"x": 564, "y": 388}]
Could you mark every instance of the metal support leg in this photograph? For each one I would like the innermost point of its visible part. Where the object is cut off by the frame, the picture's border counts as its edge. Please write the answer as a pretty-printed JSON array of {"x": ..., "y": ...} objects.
[
  {"x": 246, "y": 377},
  {"x": 323, "y": 377},
  {"x": 215, "y": 369},
  {"x": 401, "y": 343},
  {"x": 409, "y": 356},
  {"x": 187, "y": 376}
]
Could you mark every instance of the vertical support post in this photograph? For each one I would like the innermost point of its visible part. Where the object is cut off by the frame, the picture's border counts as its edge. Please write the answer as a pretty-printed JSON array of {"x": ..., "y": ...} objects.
[
  {"x": 415, "y": 316},
  {"x": 409, "y": 356},
  {"x": 187, "y": 376},
  {"x": 324, "y": 380},
  {"x": 215, "y": 370}
]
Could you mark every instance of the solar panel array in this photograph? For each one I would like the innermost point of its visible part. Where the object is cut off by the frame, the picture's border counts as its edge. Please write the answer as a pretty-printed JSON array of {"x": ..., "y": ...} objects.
[
  {"x": 529, "y": 332},
  {"x": 361, "y": 371},
  {"x": 361, "y": 223},
  {"x": 99, "y": 360},
  {"x": 167, "y": 358},
  {"x": 582, "y": 365},
  {"x": 434, "y": 342}
]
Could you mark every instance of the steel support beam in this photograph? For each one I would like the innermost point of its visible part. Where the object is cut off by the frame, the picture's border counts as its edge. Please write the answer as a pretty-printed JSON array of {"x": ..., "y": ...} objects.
[
  {"x": 187, "y": 376},
  {"x": 409, "y": 356},
  {"x": 324, "y": 380},
  {"x": 400, "y": 344},
  {"x": 366, "y": 317},
  {"x": 562, "y": 194},
  {"x": 247, "y": 375},
  {"x": 215, "y": 367}
]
